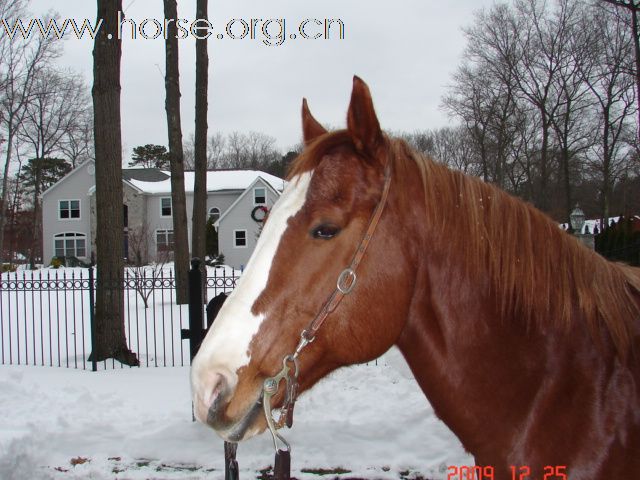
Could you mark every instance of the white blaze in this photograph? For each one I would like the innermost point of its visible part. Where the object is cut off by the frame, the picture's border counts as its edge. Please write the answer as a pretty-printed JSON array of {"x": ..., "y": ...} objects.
[{"x": 225, "y": 349}]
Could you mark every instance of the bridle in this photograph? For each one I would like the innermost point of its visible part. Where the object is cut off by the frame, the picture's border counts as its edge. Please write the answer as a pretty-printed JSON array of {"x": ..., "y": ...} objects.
[{"x": 289, "y": 372}]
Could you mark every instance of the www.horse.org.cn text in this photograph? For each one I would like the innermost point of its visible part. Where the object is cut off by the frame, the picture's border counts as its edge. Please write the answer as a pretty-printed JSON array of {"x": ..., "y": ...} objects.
[{"x": 269, "y": 31}]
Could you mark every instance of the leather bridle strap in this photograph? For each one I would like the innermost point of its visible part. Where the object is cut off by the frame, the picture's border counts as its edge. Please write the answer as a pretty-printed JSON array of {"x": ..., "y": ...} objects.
[{"x": 347, "y": 279}]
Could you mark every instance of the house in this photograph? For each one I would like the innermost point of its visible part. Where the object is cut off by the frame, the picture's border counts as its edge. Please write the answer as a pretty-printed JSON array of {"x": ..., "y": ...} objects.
[{"x": 69, "y": 225}]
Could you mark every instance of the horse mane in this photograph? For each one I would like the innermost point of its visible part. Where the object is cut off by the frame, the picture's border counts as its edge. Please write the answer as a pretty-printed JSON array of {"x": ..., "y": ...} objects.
[{"x": 536, "y": 269}]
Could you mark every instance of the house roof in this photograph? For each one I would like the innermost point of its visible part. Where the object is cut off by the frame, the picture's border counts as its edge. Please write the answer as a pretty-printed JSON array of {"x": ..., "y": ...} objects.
[
  {"x": 217, "y": 180},
  {"x": 144, "y": 174}
]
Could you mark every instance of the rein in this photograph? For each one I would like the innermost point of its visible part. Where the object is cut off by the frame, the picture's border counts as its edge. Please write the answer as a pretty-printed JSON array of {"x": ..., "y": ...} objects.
[{"x": 290, "y": 368}]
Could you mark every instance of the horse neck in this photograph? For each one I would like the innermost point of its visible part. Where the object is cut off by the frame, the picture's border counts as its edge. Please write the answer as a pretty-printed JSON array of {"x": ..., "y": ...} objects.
[{"x": 480, "y": 365}]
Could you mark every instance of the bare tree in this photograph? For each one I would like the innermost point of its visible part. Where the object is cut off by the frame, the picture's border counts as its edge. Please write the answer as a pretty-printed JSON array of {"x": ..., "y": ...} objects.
[
  {"x": 633, "y": 7},
  {"x": 251, "y": 150},
  {"x": 572, "y": 123},
  {"x": 110, "y": 339},
  {"x": 542, "y": 46},
  {"x": 215, "y": 151},
  {"x": 607, "y": 76},
  {"x": 176, "y": 154},
  {"x": 199, "y": 216},
  {"x": 145, "y": 276},
  {"x": 58, "y": 100},
  {"x": 77, "y": 146},
  {"x": 484, "y": 91},
  {"x": 216, "y": 144},
  {"x": 20, "y": 61},
  {"x": 235, "y": 151}
]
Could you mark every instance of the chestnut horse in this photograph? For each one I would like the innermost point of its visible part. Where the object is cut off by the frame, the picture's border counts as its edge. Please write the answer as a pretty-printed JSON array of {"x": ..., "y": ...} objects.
[{"x": 524, "y": 341}]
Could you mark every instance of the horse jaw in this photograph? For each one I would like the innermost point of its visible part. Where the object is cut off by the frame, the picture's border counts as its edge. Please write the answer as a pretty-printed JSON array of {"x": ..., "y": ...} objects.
[{"x": 226, "y": 348}]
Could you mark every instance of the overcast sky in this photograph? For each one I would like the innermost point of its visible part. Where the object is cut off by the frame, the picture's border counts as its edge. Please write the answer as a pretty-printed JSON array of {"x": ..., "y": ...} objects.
[{"x": 405, "y": 50}]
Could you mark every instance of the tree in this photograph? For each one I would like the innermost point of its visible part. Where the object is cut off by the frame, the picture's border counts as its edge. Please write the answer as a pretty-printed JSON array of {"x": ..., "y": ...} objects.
[
  {"x": 212, "y": 239},
  {"x": 571, "y": 122},
  {"x": 77, "y": 146},
  {"x": 633, "y": 7},
  {"x": 150, "y": 156},
  {"x": 20, "y": 62},
  {"x": 58, "y": 102},
  {"x": 198, "y": 219},
  {"x": 176, "y": 154},
  {"x": 110, "y": 340},
  {"x": 216, "y": 145},
  {"x": 607, "y": 76}
]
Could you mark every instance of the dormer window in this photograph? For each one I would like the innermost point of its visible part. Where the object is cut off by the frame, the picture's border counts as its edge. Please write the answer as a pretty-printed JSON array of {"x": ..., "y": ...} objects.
[{"x": 259, "y": 196}]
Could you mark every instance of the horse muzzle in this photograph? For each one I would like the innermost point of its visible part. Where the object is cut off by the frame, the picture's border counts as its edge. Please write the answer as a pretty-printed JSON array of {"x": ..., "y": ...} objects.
[{"x": 213, "y": 395}]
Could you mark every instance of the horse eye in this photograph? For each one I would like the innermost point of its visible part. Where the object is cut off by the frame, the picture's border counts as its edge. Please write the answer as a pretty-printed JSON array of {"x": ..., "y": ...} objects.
[{"x": 325, "y": 232}]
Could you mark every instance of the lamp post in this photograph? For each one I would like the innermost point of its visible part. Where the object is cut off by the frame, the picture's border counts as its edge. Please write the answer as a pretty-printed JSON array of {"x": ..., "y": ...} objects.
[{"x": 577, "y": 219}]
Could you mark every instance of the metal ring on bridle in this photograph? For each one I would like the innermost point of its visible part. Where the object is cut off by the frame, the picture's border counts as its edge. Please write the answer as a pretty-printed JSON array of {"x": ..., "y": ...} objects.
[{"x": 346, "y": 281}]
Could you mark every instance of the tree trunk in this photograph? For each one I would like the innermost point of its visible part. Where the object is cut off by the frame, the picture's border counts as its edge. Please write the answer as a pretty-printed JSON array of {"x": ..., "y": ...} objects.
[
  {"x": 543, "y": 200},
  {"x": 636, "y": 48},
  {"x": 36, "y": 213},
  {"x": 199, "y": 218},
  {"x": 110, "y": 340},
  {"x": 176, "y": 155},
  {"x": 5, "y": 195},
  {"x": 566, "y": 181}
]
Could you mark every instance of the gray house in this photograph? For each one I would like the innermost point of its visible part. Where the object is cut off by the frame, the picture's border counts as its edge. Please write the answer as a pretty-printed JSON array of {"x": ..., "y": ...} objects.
[{"x": 235, "y": 201}]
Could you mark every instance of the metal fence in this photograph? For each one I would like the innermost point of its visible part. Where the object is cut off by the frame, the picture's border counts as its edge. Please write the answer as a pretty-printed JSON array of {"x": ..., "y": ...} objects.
[{"x": 45, "y": 316}]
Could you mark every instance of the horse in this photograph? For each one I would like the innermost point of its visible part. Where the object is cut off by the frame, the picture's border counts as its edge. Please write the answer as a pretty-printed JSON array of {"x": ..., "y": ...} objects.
[{"x": 524, "y": 341}]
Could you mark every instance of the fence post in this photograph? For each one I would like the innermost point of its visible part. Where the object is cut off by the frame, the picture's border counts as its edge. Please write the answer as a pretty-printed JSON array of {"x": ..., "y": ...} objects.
[
  {"x": 94, "y": 363},
  {"x": 195, "y": 332}
]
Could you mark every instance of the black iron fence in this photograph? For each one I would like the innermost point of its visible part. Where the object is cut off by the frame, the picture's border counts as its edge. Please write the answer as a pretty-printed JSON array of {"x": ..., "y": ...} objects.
[{"x": 46, "y": 316}]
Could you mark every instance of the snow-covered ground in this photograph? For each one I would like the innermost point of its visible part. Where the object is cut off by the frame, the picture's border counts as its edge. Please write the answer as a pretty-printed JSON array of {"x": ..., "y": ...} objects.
[
  {"x": 57, "y": 423},
  {"x": 368, "y": 421}
]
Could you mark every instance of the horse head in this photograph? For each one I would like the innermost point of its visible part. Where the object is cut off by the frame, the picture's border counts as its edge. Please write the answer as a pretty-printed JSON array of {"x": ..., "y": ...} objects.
[{"x": 312, "y": 235}]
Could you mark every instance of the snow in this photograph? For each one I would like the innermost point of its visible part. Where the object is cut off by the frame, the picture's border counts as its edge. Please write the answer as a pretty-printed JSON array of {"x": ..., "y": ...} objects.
[
  {"x": 371, "y": 420},
  {"x": 216, "y": 181},
  {"x": 68, "y": 423}
]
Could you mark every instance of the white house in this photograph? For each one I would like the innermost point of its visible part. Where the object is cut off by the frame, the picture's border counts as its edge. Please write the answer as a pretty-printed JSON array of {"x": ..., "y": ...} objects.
[{"x": 68, "y": 212}]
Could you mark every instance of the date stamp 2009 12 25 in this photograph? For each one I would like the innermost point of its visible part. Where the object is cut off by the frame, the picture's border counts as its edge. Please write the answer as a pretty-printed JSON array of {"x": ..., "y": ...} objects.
[{"x": 518, "y": 472}]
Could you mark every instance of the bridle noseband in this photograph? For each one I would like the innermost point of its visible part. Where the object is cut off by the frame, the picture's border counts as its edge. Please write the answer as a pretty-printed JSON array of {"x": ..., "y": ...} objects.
[{"x": 289, "y": 372}]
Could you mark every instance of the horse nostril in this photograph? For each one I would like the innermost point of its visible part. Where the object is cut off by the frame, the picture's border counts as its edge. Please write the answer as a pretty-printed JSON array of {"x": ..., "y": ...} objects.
[
  {"x": 215, "y": 390},
  {"x": 210, "y": 391}
]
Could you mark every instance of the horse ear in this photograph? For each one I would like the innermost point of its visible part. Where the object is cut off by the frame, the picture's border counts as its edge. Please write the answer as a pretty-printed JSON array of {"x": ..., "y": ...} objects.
[
  {"x": 311, "y": 128},
  {"x": 362, "y": 122}
]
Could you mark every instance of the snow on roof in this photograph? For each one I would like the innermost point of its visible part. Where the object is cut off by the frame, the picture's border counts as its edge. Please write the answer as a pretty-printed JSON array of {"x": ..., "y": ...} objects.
[{"x": 217, "y": 180}]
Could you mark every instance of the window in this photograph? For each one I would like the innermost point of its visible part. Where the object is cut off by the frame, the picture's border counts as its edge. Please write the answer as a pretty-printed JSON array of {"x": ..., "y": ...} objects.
[
  {"x": 70, "y": 245},
  {"x": 164, "y": 240},
  {"x": 69, "y": 209},
  {"x": 165, "y": 207},
  {"x": 214, "y": 214},
  {"x": 259, "y": 196},
  {"x": 240, "y": 238}
]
